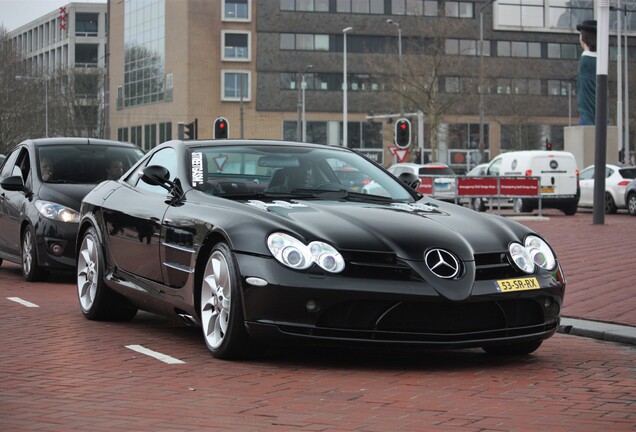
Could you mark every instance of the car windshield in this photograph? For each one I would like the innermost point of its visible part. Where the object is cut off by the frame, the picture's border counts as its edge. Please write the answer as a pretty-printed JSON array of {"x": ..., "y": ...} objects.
[
  {"x": 292, "y": 171},
  {"x": 84, "y": 163}
]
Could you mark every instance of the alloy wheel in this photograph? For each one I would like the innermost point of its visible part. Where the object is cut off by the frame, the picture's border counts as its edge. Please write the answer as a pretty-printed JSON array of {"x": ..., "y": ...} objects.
[
  {"x": 216, "y": 299},
  {"x": 27, "y": 252},
  {"x": 87, "y": 272}
]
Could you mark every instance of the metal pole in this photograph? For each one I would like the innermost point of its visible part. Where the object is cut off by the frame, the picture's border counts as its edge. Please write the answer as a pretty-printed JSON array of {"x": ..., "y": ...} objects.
[
  {"x": 626, "y": 110},
  {"x": 299, "y": 109},
  {"x": 344, "y": 88},
  {"x": 304, "y": 119},
  {"x": 619, "y": 79},
  {"x": 600, "y": 158},
  {"x": 482, "y": 144},
  {"x": 397, "y": 24},
  {"x": 46, "y": 108}
]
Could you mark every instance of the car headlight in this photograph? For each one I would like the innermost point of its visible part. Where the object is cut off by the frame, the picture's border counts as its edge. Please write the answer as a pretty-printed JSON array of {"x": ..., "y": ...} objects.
[
  {"x": 295, "y": 254},
  {"x": 58, "y": 212},
  {"x": 540, "y": 253},
  {"x": 535, "y": 252}
]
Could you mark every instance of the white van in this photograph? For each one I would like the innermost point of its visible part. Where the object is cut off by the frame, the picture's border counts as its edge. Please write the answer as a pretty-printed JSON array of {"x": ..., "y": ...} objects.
[{"x": 557, "y": 170}]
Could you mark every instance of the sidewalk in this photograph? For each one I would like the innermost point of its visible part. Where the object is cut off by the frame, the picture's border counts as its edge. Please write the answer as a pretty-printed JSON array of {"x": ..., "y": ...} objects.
[{"x": 599, "y": 262}]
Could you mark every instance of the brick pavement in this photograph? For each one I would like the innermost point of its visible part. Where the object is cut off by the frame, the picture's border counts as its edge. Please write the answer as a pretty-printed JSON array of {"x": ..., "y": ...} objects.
[
  {"x": 599, "y": 262},
  {"x": 60, "y": 372}
]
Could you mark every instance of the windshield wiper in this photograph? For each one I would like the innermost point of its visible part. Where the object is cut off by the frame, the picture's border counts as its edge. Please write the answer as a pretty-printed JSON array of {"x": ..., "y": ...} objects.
[{"x": 343, "y": 194}]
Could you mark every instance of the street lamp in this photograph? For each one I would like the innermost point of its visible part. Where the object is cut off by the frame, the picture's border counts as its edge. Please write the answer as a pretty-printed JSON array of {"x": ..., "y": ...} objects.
[
  {"x": 344, "y": 86},
  {"x": 46, "y": 99},
  {"x": 303, "y": 84},
  {"x": 397, "y": 24},
  {"x": 482, "y": 145}
]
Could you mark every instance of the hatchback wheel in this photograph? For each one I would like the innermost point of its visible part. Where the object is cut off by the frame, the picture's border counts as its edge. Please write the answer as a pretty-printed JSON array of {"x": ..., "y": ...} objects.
[
  {"x": 31, "y": 269},
  {"x": 520, "y": 206},
  {"x": 610, "y": 205},
  {"x": 631, "y": 203},
  {"x": 97, "y": 301},
  {"x": 221, "y": 308}
]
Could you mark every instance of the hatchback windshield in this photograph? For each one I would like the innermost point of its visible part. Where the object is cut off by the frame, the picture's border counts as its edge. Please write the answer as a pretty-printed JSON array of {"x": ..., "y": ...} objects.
[
  {"x": 90, "y": 164},
  {"x": 293, "y": 170}
]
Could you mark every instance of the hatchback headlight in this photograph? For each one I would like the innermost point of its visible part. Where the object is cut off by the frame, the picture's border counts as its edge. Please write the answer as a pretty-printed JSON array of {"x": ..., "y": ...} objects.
[
  {"x": 295, "y": 254},
  {"x": 58, "y": 212},
  {"x": 534, "y": 252}
]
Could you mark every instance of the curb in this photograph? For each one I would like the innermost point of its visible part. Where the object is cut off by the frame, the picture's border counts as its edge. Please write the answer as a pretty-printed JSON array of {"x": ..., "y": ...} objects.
[{"x": 598, "y": 330}]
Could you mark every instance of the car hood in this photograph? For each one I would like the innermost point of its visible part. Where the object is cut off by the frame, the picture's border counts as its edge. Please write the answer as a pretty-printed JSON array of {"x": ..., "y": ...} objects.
[
  {"x": 69, "y": 195},
  {"x": 407, "y": 230}
]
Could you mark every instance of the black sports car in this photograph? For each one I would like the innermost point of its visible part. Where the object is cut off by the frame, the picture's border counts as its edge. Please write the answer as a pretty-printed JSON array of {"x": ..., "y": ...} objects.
[
  {"x": 259, "y": 243},
  {"x": 42, "y": 183}
]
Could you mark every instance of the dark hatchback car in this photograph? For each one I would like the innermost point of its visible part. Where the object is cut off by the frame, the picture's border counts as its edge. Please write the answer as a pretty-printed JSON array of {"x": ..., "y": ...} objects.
[
  {"x": 42, "y": 183},
  {"x": 260, "y": 242}
]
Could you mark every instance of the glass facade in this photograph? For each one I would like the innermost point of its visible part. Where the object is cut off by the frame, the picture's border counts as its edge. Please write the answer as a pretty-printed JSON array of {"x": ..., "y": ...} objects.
[{"x": 144, "y": 45}]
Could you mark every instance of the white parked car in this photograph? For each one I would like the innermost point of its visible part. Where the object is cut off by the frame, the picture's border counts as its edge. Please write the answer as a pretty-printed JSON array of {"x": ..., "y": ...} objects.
[
  {"x": 616, "y": 181},
  {"x": 443, "y": 183}
]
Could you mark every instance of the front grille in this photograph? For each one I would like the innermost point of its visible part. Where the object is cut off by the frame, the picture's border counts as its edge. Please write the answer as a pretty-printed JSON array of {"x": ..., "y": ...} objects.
[
  {"x": 496, "y": 265},
  {"x": 426, "y": 321},
  {"x": 375, "y": 265}
]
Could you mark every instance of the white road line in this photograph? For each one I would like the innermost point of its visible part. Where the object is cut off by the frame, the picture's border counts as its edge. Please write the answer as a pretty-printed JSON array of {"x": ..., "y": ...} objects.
[
  {"x": 161, "y": 357},
  {"x": 22, "y": 302}
]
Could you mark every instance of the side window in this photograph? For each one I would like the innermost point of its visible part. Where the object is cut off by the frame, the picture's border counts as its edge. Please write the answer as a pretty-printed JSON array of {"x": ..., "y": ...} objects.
[
  {"x": 608, "y": 172},
  {"x": 23, "y": 165},
  {"x": 166, "y": 158},
  {"x": 587, "y": 174},
  {"x": 9, "y": 163},
  {"x": 494, "y": 168}
]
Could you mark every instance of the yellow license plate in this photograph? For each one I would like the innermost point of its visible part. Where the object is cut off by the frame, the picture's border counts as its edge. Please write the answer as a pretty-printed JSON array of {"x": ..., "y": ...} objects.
[
  {"x": 522, "y": 284},
  {"x": 547, "y": 189}
]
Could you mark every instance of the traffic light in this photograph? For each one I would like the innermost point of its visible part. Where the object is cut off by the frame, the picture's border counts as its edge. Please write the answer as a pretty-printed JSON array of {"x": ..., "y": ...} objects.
[
  {"x": 548, "y": 145},
  {"x": 403, "y": 133},
  {"x": 221, "y": 128},
  {"x": 190, "y": 130}
]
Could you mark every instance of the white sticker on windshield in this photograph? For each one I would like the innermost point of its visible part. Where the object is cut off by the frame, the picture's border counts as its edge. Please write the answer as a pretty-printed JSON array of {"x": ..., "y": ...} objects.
[{"x": 197, "y": 169}]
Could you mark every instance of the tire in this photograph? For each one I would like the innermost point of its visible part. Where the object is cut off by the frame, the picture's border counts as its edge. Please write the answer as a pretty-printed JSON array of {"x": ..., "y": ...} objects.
[
  {"x": 221, "y": 309},
  {"x": 31, "y": 269},
  {"x": 478, "y": 204},
  {"x": 97, "y": 301},
  {"x": 520, "y": 206},
  {"x": 521, "y": 348},
  {"x": 570, "y": 210},
  {"x": 631, "y": 203},
  {"x": 610, "y": 205}
]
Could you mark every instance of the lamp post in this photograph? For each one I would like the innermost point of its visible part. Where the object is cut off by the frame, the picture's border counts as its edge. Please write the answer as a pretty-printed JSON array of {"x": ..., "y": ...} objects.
[
  {"x": 397, "y": 24},
  {"x": 482, "y": 145},
  {"x": 46, "y": 99},
  {"x": 344, "y": 86},
  {"x": 303, "y": 84}
]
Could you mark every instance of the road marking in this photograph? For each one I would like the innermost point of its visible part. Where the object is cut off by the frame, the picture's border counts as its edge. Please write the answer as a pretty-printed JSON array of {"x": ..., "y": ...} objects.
[
  {"x": 22, "y": 302},
  {"x": 161, "y": 357}
]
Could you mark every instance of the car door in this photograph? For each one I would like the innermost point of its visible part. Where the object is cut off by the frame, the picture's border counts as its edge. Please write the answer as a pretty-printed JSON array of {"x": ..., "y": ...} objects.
[
  {"x": 133, "y": 216},
  {"x": 12, "y": 202},
  {"x": 586, "y": 184}
]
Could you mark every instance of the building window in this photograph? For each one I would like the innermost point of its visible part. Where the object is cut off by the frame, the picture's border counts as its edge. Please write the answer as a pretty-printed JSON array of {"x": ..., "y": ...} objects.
[
  {"x": 135, "y": 135},
  {"x": 120, "y": 97},
  {"x": 304, "y": 42},
  {"x": 236, "y": 10},
  {"x": 457, "y": 9},
  {"x": 150, "y": 136},
  {"x": 86, "y": 55},
  {"x": 86, "y": 24},
  {"x": 236, "y": 45},
  {"x": 414, "y": 7},
  {"x": 563, "y": 51},
  {"x": 452, "y": 85},
  {"x": 165, "y": 132},
  {"x": 360, "y": 6},
  {"x": 235, "y": 85},
  {"x": 144, "y": 55},
  {"x": 122, "y": 134},
  {"x": 519, "y": 49},
  {"x": 305, "y": 5},
  {"x": 559, "y": 88}
]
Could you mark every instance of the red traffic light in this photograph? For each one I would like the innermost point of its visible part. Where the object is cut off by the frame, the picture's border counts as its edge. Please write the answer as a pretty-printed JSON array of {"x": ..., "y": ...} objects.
[
  {"x": 221, "y": 128},
  {"x": 402, "y": 133}
]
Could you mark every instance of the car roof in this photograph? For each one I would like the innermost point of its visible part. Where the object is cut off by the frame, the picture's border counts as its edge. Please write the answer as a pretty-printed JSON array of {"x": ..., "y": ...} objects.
[
  {"x": 75, "y": 141},
  {"x": 262, "y": 142}
]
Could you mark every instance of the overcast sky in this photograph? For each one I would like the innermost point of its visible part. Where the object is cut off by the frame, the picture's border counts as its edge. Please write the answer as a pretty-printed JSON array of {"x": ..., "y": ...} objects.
[{"x": 15, "y": 13}]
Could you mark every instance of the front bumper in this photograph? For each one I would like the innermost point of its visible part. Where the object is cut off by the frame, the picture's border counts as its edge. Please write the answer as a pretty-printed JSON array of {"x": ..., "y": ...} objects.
[
  {"x": 50, "y": 235},
  {"x": 315, "y": 307}
]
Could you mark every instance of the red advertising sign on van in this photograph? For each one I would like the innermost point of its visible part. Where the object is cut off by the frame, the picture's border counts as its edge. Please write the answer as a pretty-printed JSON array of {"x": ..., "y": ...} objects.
[
  {"x": 519, "y": 186},
  {"x": 476, "y": 186},
  {"x": 426, "y": 187}
]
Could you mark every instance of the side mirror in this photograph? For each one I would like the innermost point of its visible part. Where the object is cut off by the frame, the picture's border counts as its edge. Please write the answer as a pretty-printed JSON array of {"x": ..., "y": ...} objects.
[
  {"x": 411, "y": 180},
  {"x": 156, "y": 175},
  {"x": 13, "y": 183}
]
